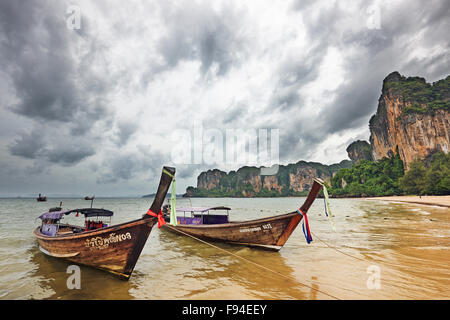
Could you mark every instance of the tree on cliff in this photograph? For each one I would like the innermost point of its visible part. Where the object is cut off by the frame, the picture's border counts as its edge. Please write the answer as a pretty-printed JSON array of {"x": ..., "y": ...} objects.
[
  {"x": 369, "y": 178},
  {"x": 413, "y": 181},
  {"x": 434, "y": 180},
  {"x": 437, "y": 178}
]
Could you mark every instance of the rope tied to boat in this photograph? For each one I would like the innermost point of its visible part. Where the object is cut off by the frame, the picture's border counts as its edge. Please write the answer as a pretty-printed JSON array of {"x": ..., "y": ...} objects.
[
  {"x": 305, "y": 223},
  {"x": 160, "y": 217},
  {"x": 251, "y": 262}
]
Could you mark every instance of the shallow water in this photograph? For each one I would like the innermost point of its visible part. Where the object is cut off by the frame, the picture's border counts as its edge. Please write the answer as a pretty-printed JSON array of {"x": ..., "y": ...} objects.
[{"x": 410, "y": 244}]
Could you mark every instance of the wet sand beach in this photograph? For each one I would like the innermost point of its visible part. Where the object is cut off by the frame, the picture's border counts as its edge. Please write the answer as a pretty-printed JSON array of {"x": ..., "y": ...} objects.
[{"x": 442, "y": 201}]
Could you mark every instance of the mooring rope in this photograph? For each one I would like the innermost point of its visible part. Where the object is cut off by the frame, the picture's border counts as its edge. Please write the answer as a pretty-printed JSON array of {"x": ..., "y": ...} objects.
[
  {"x": 340, "y": 251},
  {"x": 328, "y": 214},
  {"x": 252, "y": 262},
  {"x": 352, "y": 256}
]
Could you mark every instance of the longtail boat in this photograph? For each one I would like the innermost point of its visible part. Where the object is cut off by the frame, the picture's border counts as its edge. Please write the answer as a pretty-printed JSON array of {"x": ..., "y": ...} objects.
[
  {"x": 269, "y": 233},
  {"x": 115, "y": 249},
  {"x": 41, "y": 198}
]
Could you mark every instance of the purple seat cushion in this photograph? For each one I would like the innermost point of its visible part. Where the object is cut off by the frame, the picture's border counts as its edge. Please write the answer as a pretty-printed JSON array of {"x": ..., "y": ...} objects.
[{"x": 49, "y": 229}]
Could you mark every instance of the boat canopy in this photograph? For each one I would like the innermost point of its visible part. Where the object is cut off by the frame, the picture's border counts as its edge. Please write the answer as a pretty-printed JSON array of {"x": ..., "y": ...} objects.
[
  {"x": 88, "y": 212},
  {"x": 93, "y": 212},
  {"x": 201, "y": 209},
  {"x": 54, "y": 215}
]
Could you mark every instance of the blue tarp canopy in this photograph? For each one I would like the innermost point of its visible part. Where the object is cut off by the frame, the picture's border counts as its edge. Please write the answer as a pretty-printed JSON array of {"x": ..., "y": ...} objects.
[
  {"x": 201, "y": 209},
  {"x": 88, "y": 212},
  {"x": 93, "y": 212}
]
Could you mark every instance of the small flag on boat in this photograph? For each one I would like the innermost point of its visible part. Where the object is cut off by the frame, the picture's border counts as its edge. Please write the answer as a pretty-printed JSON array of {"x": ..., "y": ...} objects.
[{"x": 305, "y": 226}]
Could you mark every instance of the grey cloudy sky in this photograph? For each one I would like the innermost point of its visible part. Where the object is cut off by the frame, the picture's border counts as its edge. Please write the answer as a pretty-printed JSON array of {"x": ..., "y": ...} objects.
[{"x": 91, "y": 110}]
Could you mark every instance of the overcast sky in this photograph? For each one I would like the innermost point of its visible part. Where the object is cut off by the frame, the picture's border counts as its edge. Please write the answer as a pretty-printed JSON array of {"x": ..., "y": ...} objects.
[{"x": 91, "y": 110}]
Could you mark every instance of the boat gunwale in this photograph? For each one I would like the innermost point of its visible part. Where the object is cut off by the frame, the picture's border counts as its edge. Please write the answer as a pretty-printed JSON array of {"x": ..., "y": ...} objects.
[{"x": 237, "y": 223}]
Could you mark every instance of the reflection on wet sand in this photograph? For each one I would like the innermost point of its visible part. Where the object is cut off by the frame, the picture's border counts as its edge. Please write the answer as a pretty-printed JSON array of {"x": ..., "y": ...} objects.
[
  {"x": 95, "y": 284},
  {"x": 207, "y": 264},
  {"x": 411, "y": 245}
]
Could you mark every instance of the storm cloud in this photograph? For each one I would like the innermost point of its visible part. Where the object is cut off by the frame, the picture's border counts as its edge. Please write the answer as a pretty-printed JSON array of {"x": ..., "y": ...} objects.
[
  {"x": 38, "y": 55},
  {"x": 48, "y": 81},
  {"x": 28, "y": 145},
  {"x": 195, "y": 31}
]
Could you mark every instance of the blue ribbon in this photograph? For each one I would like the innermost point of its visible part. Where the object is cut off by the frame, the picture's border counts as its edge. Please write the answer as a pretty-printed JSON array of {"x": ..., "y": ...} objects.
[{"x": 305, "y": 227}]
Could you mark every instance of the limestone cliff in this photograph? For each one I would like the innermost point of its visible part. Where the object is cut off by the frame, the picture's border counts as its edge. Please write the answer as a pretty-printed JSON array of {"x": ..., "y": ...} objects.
[
  {"x": 359, "y": 150},
  {"x": 291, "y": 180},
  {"x": 209, "y": 179},
  {"x": 412, "y": 118}
]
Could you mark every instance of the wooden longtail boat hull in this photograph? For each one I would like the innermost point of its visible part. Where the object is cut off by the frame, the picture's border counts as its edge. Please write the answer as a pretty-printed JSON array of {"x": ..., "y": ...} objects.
[
  {"x": 114, "y": 249},
  {"x": 269, "y": 233}
]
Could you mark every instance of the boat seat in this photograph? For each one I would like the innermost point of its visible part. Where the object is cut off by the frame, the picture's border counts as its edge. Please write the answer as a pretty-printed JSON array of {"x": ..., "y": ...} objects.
[{"x": 49, "y": 229}]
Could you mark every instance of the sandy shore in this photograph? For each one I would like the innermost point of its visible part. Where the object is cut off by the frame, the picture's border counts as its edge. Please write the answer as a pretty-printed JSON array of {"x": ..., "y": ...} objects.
[{"x": 442, "y": 201}]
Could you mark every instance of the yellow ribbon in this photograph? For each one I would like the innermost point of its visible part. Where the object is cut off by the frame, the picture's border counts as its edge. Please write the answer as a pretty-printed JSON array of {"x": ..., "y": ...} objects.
[
  {"x": 173, "y": 199},
  {"x": 327, "y": 206},
  {"x": 168, "y": 173}
]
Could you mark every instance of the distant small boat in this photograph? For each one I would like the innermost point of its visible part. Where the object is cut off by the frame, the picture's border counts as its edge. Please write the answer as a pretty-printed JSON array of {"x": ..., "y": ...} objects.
[
  {"x": 115, "y": 249},
  {"x": 41, "y": 198},
  {"x": 269, "y": 233}
]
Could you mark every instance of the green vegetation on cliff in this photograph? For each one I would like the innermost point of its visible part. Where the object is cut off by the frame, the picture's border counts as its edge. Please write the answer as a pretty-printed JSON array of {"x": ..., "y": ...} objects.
[
  {"x": 432, "y": 181},
  {"x": 386, "y": 177},
  {"x": 422, "y": 96},
  {"x": 369, "y": 178}
]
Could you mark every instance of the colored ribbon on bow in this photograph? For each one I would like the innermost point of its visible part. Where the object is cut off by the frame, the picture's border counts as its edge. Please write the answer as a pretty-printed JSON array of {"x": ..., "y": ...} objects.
[
  {"x": 326, "y": 200},
  {"x": 160, "y": 217},
  {"x": 168, "y": 173},
  {"x": 305, "y": 226},
  {"x": 173, "y": 200}
]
